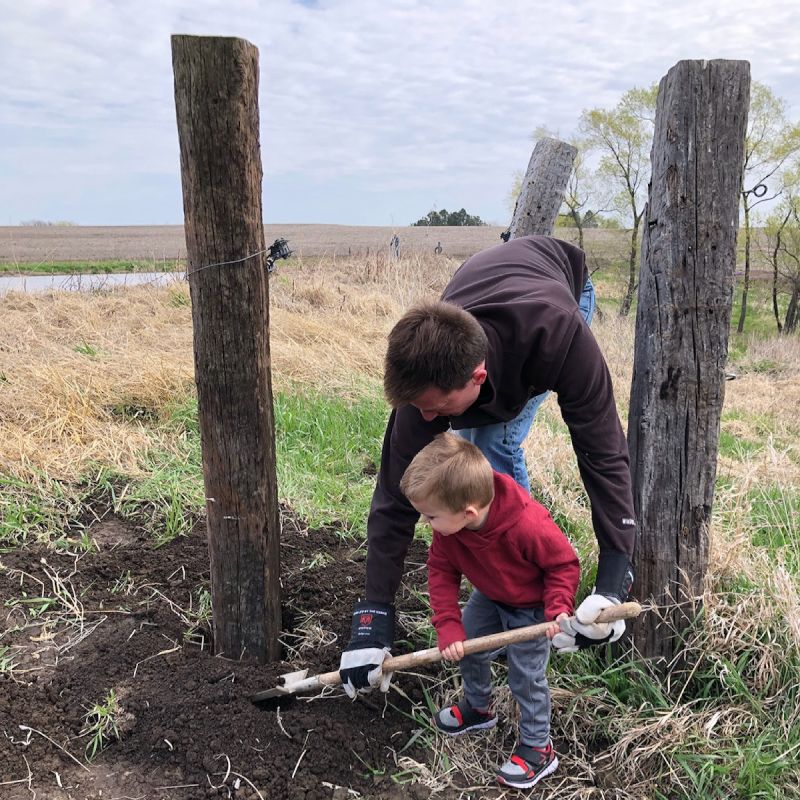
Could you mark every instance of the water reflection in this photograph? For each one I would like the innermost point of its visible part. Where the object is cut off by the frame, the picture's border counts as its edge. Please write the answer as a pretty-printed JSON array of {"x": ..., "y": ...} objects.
[{"x": 85, "y": 282}]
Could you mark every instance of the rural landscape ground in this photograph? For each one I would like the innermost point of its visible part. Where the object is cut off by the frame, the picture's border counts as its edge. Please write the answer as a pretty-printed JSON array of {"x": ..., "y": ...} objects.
[{"x": 108, "y": 684}]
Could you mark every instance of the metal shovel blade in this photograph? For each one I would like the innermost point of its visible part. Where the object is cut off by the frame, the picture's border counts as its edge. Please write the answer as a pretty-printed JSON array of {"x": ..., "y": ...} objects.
[{"x": 286, "y": 686}]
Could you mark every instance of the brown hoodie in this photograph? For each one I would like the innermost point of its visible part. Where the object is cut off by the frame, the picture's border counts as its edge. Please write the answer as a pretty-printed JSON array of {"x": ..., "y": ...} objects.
[{"x": 525, "y": 295}]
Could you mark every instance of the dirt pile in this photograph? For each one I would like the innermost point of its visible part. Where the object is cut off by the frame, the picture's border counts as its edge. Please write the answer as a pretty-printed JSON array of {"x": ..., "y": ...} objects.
[{"x": 133, "y": 619}]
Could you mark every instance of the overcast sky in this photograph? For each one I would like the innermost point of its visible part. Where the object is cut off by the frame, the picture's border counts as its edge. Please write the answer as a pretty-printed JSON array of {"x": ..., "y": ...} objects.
[{"x": 372, "y": 111}]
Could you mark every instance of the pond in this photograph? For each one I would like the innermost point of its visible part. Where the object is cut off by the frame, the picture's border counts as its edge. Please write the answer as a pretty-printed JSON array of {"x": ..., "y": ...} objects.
[{"x": 86, "y": 282}]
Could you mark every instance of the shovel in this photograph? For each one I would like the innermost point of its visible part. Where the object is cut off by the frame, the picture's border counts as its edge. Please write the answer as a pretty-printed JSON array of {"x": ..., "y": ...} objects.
[{"x": 300, "y": 681}]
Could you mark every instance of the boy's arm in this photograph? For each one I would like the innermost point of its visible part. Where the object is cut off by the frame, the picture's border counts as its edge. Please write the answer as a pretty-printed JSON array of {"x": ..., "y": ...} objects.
[
  {"x": 444, "y": 584},
  {"x": 546, "y": 546}
]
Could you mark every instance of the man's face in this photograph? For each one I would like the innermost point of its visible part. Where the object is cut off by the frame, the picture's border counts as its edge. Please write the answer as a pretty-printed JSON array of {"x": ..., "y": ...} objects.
[{"x": 434, "y": 402}]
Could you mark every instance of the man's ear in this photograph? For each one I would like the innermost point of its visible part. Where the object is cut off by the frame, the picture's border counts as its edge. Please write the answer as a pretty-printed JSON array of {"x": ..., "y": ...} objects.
[{"x": 479, "y": 374}]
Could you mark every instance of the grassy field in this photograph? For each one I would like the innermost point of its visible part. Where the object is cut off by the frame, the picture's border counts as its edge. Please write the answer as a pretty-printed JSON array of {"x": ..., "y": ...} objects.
[
  {"x": 151, "y": 247},
  {"x": 97, "y": 400}
]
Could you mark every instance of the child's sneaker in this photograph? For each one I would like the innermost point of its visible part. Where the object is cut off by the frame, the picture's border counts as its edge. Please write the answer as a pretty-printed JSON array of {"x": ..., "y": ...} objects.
[
  {"x": 527, "y": 766},
  {"x": 462, "y": 718}
]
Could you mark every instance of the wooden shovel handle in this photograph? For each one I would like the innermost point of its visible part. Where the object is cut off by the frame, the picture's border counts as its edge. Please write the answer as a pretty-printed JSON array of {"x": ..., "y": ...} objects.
[
  {"x": 497, "y": 640},
  {"x": 478, "y": 645}
]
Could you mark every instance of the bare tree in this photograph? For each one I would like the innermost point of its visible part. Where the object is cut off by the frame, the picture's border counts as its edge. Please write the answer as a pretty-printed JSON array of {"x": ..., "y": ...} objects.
[
  {"x": 771, "y": 141},
  {"x": 584, "y": 197},
  {"x": 782, "y": 230}
]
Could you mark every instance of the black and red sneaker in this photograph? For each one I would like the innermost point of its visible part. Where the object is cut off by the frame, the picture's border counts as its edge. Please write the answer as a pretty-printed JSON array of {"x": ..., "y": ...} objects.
[
  {"x": 527, "y": 766},
  {"x": 462, "y": 718}
]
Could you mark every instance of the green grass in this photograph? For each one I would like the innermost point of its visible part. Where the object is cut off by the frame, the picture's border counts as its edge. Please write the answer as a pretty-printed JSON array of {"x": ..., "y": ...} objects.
[
  {"x": 734, "y": 733},
  {"x": 327, "y": 449},
  {"x": 102, "y": 724},
  {"x": 734, "y": 446},
  {"x": 775, "y": 522},
  {"x": 37, "y": 511},
  {"x": 327, "y": 452},
  {"x": 80, "y": 267}
]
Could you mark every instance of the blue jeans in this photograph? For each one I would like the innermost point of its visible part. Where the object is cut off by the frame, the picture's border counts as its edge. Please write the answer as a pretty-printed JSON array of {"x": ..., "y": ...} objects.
[
  {"x": 527, "y": 665},
  {"x": 502, "y": 442}
]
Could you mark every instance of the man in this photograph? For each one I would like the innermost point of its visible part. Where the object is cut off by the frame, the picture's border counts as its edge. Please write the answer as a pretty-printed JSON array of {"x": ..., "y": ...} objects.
[{"x": 512, "y": 325}]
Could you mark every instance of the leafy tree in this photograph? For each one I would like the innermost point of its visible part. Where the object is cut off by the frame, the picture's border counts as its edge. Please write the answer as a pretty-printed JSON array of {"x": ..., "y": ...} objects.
[
  {"x": 771, "y": 140},
  {"x": 623, "y": 136},
  {"x": 445, "y": 217}
]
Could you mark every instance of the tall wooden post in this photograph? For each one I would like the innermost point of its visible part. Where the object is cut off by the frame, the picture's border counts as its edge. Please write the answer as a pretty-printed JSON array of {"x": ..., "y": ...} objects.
[
  {"x": 543, "y": 188},
  {"x": 682, "y": 323},
  {"x": 216, "y": 99}
]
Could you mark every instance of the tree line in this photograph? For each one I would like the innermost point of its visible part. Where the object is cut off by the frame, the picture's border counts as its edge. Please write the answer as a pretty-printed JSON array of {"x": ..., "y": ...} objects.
[{"x": 445, "y": 217}]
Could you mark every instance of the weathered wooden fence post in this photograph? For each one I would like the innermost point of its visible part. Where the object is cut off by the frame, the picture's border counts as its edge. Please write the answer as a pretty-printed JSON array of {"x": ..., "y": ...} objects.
[
  {"x": 682, "y": 323},
  {"x": 216, "y": 99},
  {"x": 543, "y": 187}
]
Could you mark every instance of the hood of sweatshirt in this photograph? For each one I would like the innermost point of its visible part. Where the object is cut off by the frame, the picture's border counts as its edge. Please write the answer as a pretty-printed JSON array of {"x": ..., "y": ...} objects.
[{"x": 504, "y": 513}]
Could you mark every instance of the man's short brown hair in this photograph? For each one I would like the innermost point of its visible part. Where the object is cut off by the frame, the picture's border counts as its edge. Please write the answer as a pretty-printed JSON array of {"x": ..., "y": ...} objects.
[
  {"x": 449, "y": 470},
  {"x": 434, "y": 344}
]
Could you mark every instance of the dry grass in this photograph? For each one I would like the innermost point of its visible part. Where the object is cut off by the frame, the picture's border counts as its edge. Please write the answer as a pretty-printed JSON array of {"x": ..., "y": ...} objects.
[{"x": 76, "y": 368}]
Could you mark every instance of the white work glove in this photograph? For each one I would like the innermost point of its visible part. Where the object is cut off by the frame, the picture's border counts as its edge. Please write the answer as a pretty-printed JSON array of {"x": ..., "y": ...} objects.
[
  {"x": 581, "y": 631},
  {"x": 361, "y": 671}
]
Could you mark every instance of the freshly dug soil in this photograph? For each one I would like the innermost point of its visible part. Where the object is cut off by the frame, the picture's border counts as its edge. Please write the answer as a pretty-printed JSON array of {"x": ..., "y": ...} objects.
[{"x": 121, "y": 617}]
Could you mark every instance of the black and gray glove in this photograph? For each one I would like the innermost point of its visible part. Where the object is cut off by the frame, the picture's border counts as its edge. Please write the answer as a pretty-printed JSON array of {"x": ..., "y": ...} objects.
[
  {"x": 371, "y": 637},
  {"x": 614, "y": 581}
]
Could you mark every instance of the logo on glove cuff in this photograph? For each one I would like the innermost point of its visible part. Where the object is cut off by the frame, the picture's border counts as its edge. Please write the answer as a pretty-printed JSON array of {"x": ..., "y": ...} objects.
[{"x": 365, "y": 619}]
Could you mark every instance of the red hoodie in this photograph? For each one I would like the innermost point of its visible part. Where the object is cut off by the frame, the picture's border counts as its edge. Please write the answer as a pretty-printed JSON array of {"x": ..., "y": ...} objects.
[{"x": 519, "y": 557}]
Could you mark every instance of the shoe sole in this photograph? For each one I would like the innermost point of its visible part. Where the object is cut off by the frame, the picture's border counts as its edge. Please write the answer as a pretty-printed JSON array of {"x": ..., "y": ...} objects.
[
  {"x": 548, "y": 770},
  {"x": 480, "y": 726}
]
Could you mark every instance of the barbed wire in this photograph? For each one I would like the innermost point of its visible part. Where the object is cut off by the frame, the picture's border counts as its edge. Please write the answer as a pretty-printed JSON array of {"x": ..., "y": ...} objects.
[{"x": 224, "y": 263}]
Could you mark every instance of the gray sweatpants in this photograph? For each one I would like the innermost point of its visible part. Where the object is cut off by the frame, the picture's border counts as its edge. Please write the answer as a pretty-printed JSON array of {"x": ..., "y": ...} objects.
[{"x": 527, "y": 663}]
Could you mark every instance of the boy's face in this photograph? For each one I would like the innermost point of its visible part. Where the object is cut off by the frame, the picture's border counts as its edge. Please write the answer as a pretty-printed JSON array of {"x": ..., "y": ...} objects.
[{"x": 441, "y": 518}]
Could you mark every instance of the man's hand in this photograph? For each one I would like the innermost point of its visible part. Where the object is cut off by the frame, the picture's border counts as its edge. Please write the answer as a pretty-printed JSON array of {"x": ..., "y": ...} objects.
[
  {"x": 371, "y": 636},
  {"x": 614, "y": 581},
  {"x": 581, "y": 631}
]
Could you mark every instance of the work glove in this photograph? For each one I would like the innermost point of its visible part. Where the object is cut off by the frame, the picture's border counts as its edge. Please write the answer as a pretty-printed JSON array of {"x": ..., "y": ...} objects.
[
  {"x": 614, "y": 581},
  {"x": 371, "y": 636}
]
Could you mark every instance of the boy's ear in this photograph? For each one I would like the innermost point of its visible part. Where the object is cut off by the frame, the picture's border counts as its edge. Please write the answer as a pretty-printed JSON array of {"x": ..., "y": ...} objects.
[{"x": 471, "y": 512}]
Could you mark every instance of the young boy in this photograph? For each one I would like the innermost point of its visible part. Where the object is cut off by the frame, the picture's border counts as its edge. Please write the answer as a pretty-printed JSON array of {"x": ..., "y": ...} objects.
[{"x": 523, "y": 571}]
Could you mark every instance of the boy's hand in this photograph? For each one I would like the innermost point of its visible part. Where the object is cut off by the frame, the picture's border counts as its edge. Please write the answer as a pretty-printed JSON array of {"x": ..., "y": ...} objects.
[
  {"x": 454, "y": 651},
  {"x": 555, "y": 627}
]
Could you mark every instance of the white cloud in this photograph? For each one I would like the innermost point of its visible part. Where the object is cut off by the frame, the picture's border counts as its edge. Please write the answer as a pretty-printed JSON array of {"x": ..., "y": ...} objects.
[{"x": 428, "y": 99}]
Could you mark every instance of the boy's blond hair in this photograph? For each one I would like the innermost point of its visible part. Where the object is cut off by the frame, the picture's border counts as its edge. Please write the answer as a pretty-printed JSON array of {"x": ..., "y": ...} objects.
[{"x": 452, "y": 471}]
